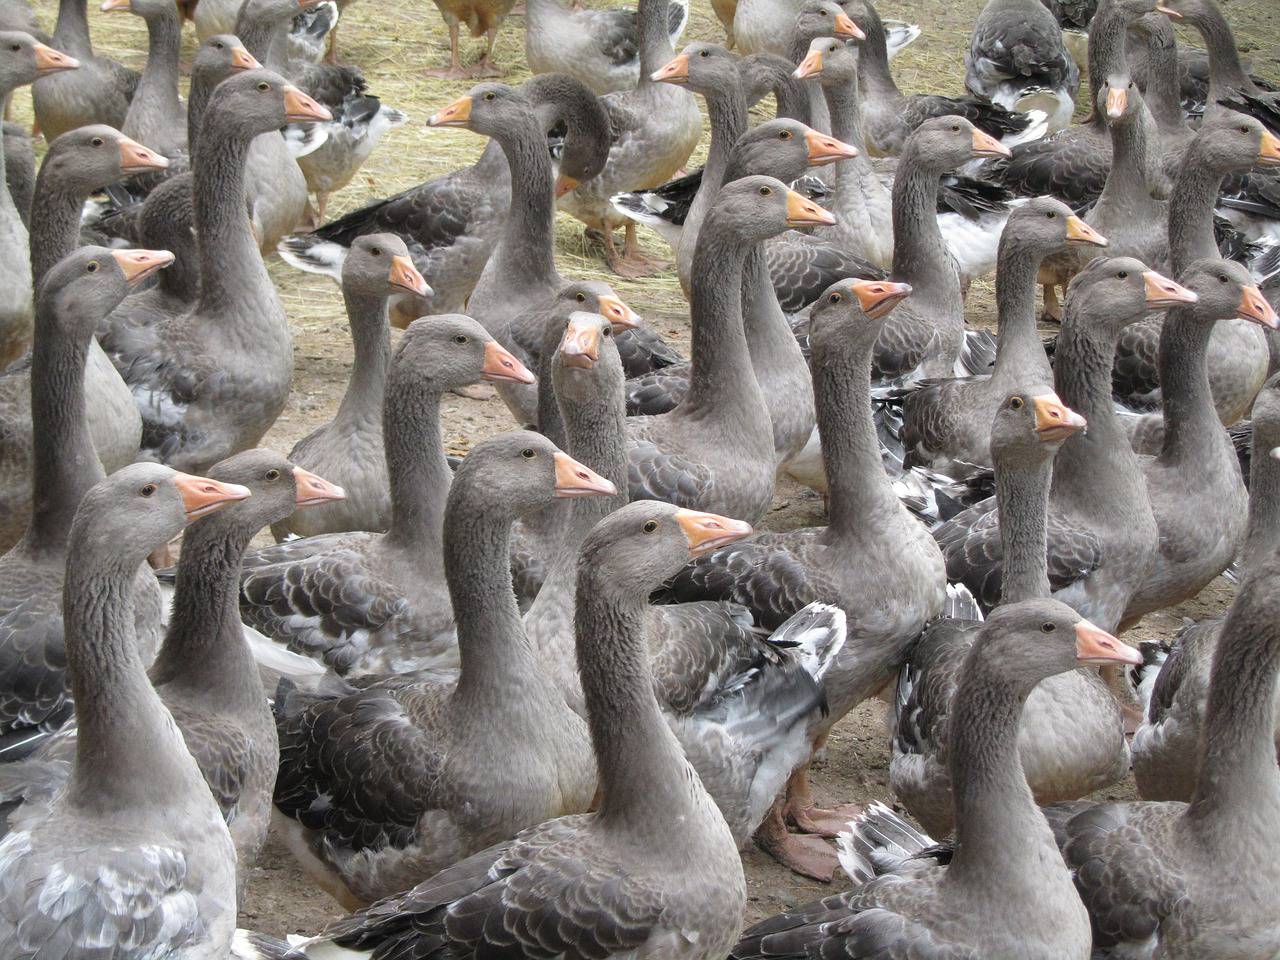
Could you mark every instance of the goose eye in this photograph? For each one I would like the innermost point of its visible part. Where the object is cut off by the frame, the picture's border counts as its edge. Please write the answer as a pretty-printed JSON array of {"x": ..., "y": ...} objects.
[
  {"x": 217, "y": 45},
  {"x": 148, "y": 489},
  {"x": 92, "y": 266},
  {"x": 834, "y": 298},
  {"x": 582, "y": 298},
  {"x": 1016, "y": 403},
  {"x": 273, "y": 474},
  {"x": 765, "y": 191},
  {"x": 490, "y": 96},
  {"x": 955, "y": 128},
  {"x": 461, "y": 338},
  {"x": 264, "y": 86},
  {"x": 16, "y": 47},
  {"x": 376, "y": 251},
  {"x": 1048, "y": 626},
  {"x": 650, "y": 526},
  {"x": 1052, "y": 214},
  {"x": 607, "y": 332},
  {"x": 703, "y": 53},
  {"x": 1244, "y": 128},
  {"x": 785, "y": 135},
  {"x": 96, "y": 141},
  {"x": 1123, "y": 275},
  {"x": 528, "y": 453},
  {"x": 1222, "y": 278}
]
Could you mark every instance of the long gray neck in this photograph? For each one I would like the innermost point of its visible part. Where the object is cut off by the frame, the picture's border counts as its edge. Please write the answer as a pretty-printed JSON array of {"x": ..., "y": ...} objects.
[
  {"x": 71, "y": 33},
  {"x": 845, "y": 106},
  {"x": 550, "y": 423},
  {"x": 727, "y": 108},
  {"x": 1192, "y": 430},
  {"x": 419, "y": 473},
  {"x": 793, "y": 100},
  {"x": 157, "y": 91},
  {"x": 1019, "y": 351},
  {"x": 1022, "y": 497},
  {"x": 873, "y": 61},
  {"x": 1263, "y": 536},
  {"x": 526, "y": 252},
  {"x": 1226, "y": 74},
  {"x": 264, "y": 38},
  {"x": 64, "y": 462},
  {"x": 204, "y": 653},
  {"x": 1126, "y": 182},
  {"x": 996, "y": 818},
  {"x": 55, "y": 221},
  {"x": 655, "y": 42},
  {"x": 128, "y": 752},
  {"x": 1239, "y": 787},
  {"x": 1195, "y": 192},
  {"x": 371, "y": 338},
  {"x": 644, "y": 777},
  {"x": 1106, "y": 52},
  {"x": 859, "y": 491},
  {"x": 1163, "y": 96},
  {"x": 920, "y": 255}
]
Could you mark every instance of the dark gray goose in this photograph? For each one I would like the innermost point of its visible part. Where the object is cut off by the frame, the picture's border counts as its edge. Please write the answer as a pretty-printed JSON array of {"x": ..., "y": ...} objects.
[
  {"x": 1166, "y": 745},
  {"x": 349, "y": 449},
  {"x": 375, "y": 602},
  {"x": 1061, "y": 760},
  {"x": 133, "y": 857},
  {"x": 1005, "y": 891},
  {"x": 73, "y": 297},
  {"x": 619, "y": 882},
  {"x": 205, "y": 674},
  {"x": 437, "y": 765}
]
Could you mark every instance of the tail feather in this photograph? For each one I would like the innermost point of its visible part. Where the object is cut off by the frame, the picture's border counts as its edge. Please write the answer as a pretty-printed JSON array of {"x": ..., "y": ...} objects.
[
  {"x": 309, "y": 253},
  {"x": 814, "y": 635},
  {"x": 878, "y": 841}
]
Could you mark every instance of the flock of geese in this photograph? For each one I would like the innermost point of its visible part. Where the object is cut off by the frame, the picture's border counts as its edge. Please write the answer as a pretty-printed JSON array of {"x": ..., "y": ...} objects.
[{"x": 533, "y": 702}]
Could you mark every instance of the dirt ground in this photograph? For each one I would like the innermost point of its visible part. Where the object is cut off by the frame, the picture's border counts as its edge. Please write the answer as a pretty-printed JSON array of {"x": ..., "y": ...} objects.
[{"x": 394, "y": 42}]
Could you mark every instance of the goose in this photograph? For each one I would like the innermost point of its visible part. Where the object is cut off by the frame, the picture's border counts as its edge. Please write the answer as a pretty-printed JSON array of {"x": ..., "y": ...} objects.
[
  {"x": 652, "y": 890},
  {"x": 25, "y": 60},
  {"x": 471, "y": 756},
  {"x": 655, "y": 128},
  {"x": 743, "y": 707},
  {"x": 349, "y": 447},
  {"x": 156, "y": 115},
  {"x": 372, "y": 602},
  {"x": 97, "y": 93},
  {"x": 481, "y": 17},
  {"x": 211, "y": 379},
  {"x": 817, "y": 19},
  {"x": 63, "y": 466},
  {"x": 1166, "y": 744},
  {"x": 1005, "y": 890},
  {"x": 1102, "y": 533},
  {"x": 599, "y": 47},
  {"x": 204, "y": 673},
  {"x": 1017, "y": 59},
  {"x": 452, "y": 223},
  {"x": 133, "y": 855},
  {"x": 1060, "y": 761},
  {"x": 716, "y": 448},
  {"x": 890, "y": 116},
  {"x": 871, "y": 539},
  {"x": 946, "y": 422},
  {"x": 1150, "y": 874}
]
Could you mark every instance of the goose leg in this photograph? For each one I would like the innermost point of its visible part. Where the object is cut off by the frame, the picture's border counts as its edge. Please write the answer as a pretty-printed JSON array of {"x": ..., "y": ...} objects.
[
  {"x": 808, "y": 817},
  {"x": 1052, "y": 308},
  {"x": 486, "y": 66},
  {"x": 455, "y": 70},
  {"x": 808, "y": 856},
  {"x": 632, "y": 263},
  {"x": 331, "y": 56}
]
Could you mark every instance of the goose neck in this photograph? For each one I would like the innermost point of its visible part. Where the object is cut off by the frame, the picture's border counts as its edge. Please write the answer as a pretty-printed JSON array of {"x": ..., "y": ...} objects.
[
  {"x": 526, "y": 252},
  {"x": 55, "y": 221},
  {"x": 550, "y": 422},
  {"x": 1163, "y": 96},
  {"x": 1126, "y": 181},
  {"x": 419, "y": 473},
  {"x": 1226, "y": 74},
  {"x": 1019, "y": 352},
  {"x": 1195, "y": 192},
  {"x": 263, "y": 37},
  {"x": 845, "y": 107},
  {"x": 1192, "y": 430},
  {"x": 655, "y": 41},
  {"x": 1022, "y": 498},
  {"x": 232, "y": 276},
  {"x": 873, "y": 61},
  {"x": 727, "y": 109},
  {"x": 1106, "y": 52},
  {"x": 920, "y": 255},
  {"x": 158, "y": 87},
  {"x": 1263, "y": 533},
  {"x": 71, "y": 32},
  {"x": 371, "y": 339}
]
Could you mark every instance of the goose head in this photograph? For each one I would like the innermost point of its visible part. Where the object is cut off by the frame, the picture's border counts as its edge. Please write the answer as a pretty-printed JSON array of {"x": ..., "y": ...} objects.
[
  {"x": 1044, "y": 226},
  {"x": 945, "y": 143},
  {"x": 702, "y": 67},
  {"x": 595, "y": 296},
  {"x": 571, "y": 112},
  {"x": 378, "y": 266},
  {"x": 24, "y": 60},
  {"x": 219, "y": 57},
  {"x": 1031, "y": 425},
  {"x": 522, "y": 471},
  {"x": 276, "y": 487},
  {"x": 853, "y": 312},
  {"x": 1115, "y": 292},
  {"x": 1231, "y": 141},
  {"x": 449, "y": 351},
  {"x": 586, "y": 363},
  {"x": 824, "y": 18},
  {"x": 85, "y": 286},
  {"x": 756, "y": 208},
  {"x": 1224, "y": 289},
  {"x": 831, "y": 61},
  {"x": 90, "y": 158},
  {"x": 253, "y": 102}
]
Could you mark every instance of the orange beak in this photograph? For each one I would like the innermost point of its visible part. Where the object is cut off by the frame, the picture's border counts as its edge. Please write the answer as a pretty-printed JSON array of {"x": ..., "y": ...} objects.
[
  {"x": 1055, "y": 421},
  {"x": 456, "y": 114},
  {"x": 985, "y": 145},
  {"x": 1081, "y": 232},
  {"x": 1161, "y": 8},
  {"x": 810, "y": 66},
  {"x": 50, "y": 61},
  {"x": 575, "y": 480},
  {"x": 1117, "y": 100},
  {"x": 298, "y": 107},
  {"x": 806, "y": 213},
  {"x": 137, "y": 265},
  {"x": 134, "y": 157},
  {"x": 202, "y": 496},
  {"x": 676, "y": 71},
  {"x": 1269, "y": 151},
  {"x": 115, "y": 6},
  {"x": 242, "y": 59},
  {"x": 501, "y": 367},
  {"x": 618, "y": 313},
  {"x": 824, "y": 149},
  {"x": 1163, "y": 292},
  {"x": 846, "y": 28},
  {"x": 878, "y": 297},
  {"x": 405, "y": 276},
  {"x": 1254, "y": 307},
  {"x": 709, "y": 531},
  {"x": 1096, "y": 646},
  {"x": 313, "y": 490},
  {"x": 565, "y": 184},
  {"x": 581, "y": 344}
]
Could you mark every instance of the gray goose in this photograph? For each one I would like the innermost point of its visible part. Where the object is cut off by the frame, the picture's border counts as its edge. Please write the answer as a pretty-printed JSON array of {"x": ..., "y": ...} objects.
[
  {"x": 372, "y": 602},
  {"x": 349, "y": 449},
  {"x": 1061, "y": 761},
  {"x": 1166, "y": 745},
  {"x": 1152, "y": 874},
  {"x": 438, "y": 765},
  {"x": 74, "y": 296},
  {"x": 619, "y": 882},
  {"x": 205, "y": 674},
  {"x": 156, "y": 115},
  {"x": 1005, "y": 891},
  {"x": 871, "y": 539}
]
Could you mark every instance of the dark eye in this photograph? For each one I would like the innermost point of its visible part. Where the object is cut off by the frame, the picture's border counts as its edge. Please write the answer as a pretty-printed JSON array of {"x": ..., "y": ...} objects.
[
  {"x": 1016, "y": 403},
  {"x": 273, "y": 474},
  {"x": 703, "y": 53},
  {"x": 16, "y": 47},
  {"x": 1222, "y": 278},
  {"x": 955, "y": 128},
  {"x": 1052, "y": 214},
  {"x": 785, "y": 135},
  {"x": 92, "y": 266},
  {"x": 1048, "y": 626},
  {"x": 148, "y": 489},
  {"x": 218, "y": 44},
  {"x": 376, "y": 251},
  {"x": 607, "y": 332},
  {"x": 822, "y": 12},
  {"x": 1244, "y": 128},
  {"x": 264, "y": 86},
  {"x": 650, "y": 526},
  {"x": 1123, "y": 275},
  {"x": 490, "y": 96},
  {"x": 834, "y": 298},
  {"x": 766, "y": 191},
  {"x": 528, "y": 453},
  {"x": 462, "y": 338},
  {"x": 582, "y": 298},
  {"x": 96, "y": 141}
]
